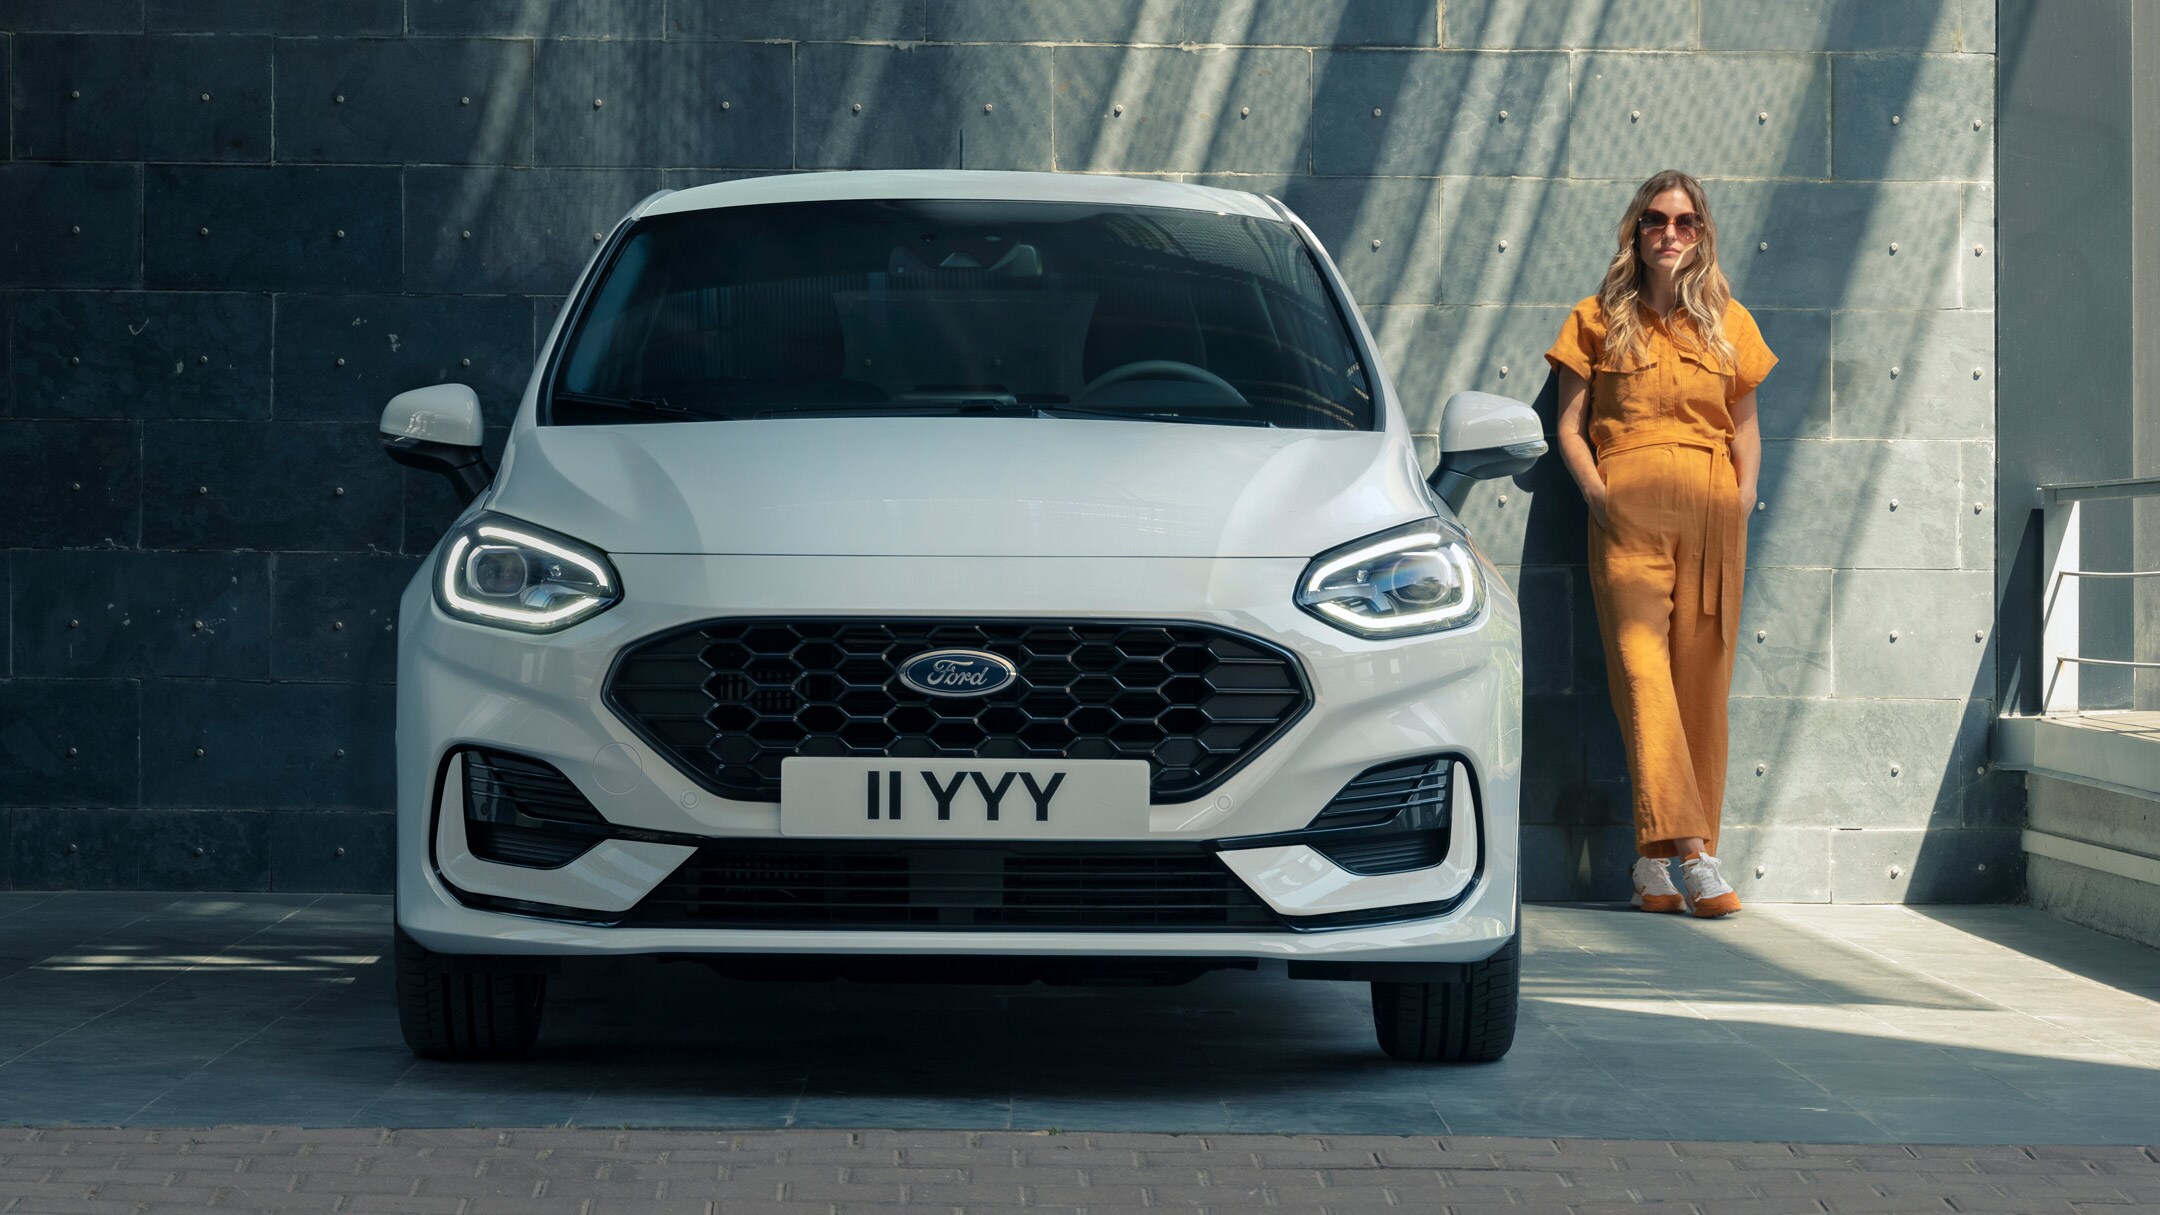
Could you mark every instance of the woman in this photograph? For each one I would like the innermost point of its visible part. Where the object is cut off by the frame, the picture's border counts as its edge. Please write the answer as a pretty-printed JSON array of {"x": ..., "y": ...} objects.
[{"x": 1657, "y": 379}]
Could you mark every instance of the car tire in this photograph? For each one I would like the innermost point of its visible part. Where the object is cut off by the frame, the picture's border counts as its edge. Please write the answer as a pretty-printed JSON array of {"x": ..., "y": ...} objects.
[
  {"x": 1471, "y": 1020},
  {"x": 464, "y": 1007}
]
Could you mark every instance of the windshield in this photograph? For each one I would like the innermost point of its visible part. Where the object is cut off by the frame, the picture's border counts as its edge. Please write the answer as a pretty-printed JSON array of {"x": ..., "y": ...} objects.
[{"x": 877, "y": 307}]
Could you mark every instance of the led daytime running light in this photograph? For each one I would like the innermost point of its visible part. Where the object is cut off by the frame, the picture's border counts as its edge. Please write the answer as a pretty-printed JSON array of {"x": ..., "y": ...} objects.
[
  {"x": 603, "y": 594},
  {"x": 1338, "y": 604}
]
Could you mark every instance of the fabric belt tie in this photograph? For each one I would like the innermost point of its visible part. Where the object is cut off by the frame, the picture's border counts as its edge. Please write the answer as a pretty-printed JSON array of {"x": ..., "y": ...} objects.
[{"x": 1720, "y": 595}]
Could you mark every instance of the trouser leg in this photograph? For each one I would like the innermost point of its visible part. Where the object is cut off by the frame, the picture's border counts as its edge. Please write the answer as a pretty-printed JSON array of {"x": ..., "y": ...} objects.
[
  {"x": 1634, "y": 594},
  {"x": 1703, "y": 645}
]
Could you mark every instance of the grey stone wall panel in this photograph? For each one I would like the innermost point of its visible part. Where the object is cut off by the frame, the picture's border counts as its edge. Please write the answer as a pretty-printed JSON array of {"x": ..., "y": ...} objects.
[
  {"x": 340, "y": 358},
  {"x": 531, "y": 230},
  {"x": 340, "y": 852},
  {"x": 1913, "y": 633},
  {"x": 1777, "y": 864},
  {"x": 1171, "y": 22},
  {"x": 1178, "y": 111},
  {"x": 131, "y": 849},
  {"x": 1559, "y": 237},
  {"x": 73, "y": 16},
  {"x": 1713, "y": 115},
  {"x": 95, "y": 719},
  {"x": 1785, "y": 635},
  {"x": 1828, "y": 762},
  {"x": 831, "y": 21},
  {"x": 1569, "y": 24},
  {"x": 1571, "y": 862},
  {"x": 1976, "y": 508},
  {"x": 884, "y": 107},
  {"x": 1914, "y": 375},
  {"x": 1437, "y": 352},
  {"x": 1557, "y": 719},
  {"x": 335, "y": 615},
  {"x": 663, "y": 103},
  {"x": 1995, "y": 800},
  {"x": 1439, "y": 113},
  {"x": 1536, "y": 519},
  {"x": 1547, "y": 602},
  {"x": 1978, "y": 33},
  {"x": 71, "y": 225},
  {"x": 476, "y": 248},
  {"x": 69, "y": 484},
  {"x": 276, "y": 16},
  {"x": 83, "y": 354},
  {"x": 1795, "y": 402},
  {"x": 405, "y": 100},
  {"x": 1830, "y": 243},
  {"x": 1831, "y": 25},
  {"x": 1907, "y": 117},
  {"x": 102, "y": 613},
  {"x": 1941, "y": 866},
  {"x": 1828, "y": 503},
  {"x": 1382, "y": 232},
  {"x": 538, "y": 18},
  {"x": 302, "y": 769},
  {"x": 268, "y": 485},
  {"x": 1976, "y": 246},
  {"x": 218, "y": 228},
  {"x": 141, "y": 97}
]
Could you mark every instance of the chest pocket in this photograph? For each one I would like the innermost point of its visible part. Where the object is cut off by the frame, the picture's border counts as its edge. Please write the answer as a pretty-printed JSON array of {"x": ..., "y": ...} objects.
[
  {"x": 1700, "y": 375},
  {"x": 1629, "y": 386}
]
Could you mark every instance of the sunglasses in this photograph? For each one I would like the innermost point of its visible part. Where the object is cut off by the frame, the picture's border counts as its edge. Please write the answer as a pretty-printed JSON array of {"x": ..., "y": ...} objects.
[{"x": 1688, "y": 225}]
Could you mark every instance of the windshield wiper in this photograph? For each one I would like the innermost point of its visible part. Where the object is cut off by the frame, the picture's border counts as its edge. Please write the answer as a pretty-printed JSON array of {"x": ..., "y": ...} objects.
[
  {"x": 648, "y": 405},
  {"x": 1147, "y": 415}
]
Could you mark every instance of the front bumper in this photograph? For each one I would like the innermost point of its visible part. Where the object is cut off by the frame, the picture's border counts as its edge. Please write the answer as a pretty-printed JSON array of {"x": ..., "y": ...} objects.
[{"x": 1459, "y": 693}]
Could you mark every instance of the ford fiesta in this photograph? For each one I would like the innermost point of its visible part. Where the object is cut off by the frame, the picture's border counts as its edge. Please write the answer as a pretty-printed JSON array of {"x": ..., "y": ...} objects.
[{"x": 934, "y": 575}]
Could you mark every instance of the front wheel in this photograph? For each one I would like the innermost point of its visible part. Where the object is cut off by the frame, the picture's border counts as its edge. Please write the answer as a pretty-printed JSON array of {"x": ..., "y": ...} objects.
[
  {"x": 1471, "y": 1020},
  {"x": 465, "y": 1008}
]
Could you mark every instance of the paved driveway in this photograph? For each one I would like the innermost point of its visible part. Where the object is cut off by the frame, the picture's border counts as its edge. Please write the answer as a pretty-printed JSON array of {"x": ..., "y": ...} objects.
[{"x": 1809, "y": 1024}]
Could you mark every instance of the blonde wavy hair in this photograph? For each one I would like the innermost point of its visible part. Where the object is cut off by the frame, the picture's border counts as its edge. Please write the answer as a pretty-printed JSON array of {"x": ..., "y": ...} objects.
[{"x": 1704, "y": 293}]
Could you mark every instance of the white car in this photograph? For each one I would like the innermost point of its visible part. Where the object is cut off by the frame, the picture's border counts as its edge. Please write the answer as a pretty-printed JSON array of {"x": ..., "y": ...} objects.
[{"x": 960, "y": 575}]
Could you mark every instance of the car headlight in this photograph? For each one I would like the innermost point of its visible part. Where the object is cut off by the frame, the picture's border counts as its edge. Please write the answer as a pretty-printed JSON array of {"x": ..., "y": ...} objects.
[
  {"x": 510, "y": 574},
  {"x": 1422, "y": 578}
]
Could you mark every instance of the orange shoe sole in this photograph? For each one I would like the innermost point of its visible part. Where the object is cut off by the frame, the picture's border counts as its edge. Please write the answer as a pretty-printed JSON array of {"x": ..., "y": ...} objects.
[
  {"x": 1711, "y": 908},
  {"x": 1659, "y": 902}
]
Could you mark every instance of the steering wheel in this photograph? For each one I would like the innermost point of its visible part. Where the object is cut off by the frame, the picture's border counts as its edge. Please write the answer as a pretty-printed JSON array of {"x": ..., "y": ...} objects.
[{"x": 1157, "y": 368}]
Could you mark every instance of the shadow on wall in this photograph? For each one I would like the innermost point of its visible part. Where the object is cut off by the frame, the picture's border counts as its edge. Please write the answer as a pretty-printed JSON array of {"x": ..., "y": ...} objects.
[{"x": 1467, "y": 236}]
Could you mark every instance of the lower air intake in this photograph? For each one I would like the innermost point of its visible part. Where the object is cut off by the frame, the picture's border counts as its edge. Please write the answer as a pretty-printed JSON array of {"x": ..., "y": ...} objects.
[{"x": 1047, "y": 888}]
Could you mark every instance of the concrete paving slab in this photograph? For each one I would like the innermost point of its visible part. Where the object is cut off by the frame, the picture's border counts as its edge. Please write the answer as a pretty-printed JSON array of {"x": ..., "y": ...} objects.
[{"x": 1798, "y": 1022}]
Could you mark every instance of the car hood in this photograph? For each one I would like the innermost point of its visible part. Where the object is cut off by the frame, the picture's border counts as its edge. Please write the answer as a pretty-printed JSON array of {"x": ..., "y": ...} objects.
[{"x": 993, "y": 487}]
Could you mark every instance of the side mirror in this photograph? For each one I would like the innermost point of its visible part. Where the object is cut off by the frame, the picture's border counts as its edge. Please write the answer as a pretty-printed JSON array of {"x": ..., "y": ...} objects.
[
  {"x": 1483, "y": 436},
  {"x": 438, "y": 429}
]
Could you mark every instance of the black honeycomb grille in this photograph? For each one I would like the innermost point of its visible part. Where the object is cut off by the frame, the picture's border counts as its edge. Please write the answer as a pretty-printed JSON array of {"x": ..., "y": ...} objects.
[{"x": 729, "y": 699}]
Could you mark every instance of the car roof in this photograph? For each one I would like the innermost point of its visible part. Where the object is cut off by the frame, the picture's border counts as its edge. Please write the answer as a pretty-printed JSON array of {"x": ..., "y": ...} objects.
[{"x": 961, "y": 183}]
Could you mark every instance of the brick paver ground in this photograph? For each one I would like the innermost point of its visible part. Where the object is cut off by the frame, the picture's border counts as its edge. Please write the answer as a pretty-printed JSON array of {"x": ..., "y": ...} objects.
[{"x": 824, "y": 1172}]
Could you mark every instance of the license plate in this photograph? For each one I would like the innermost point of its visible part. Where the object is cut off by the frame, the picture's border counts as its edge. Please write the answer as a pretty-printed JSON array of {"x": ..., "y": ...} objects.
[{"x": 1069, "y": 799}]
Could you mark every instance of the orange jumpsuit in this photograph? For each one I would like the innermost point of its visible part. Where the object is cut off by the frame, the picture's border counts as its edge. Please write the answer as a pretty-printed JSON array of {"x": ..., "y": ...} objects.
[{"x": 1666, "y": 572}]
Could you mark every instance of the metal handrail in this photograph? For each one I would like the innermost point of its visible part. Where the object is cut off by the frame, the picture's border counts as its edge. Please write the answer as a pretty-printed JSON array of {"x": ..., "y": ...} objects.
[
  {"x": 2087, "y": 491},
  {"x": 2061, "y": 531}
]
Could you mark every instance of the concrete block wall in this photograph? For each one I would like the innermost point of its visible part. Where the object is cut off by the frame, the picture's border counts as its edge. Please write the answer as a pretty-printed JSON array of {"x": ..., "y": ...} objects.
[{"x": 238, "y": 227}]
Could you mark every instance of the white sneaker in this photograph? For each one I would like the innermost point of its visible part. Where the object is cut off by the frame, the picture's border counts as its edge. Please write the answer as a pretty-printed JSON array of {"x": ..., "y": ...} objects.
[
  {"x": 1654, "y": 889},
  {"x": 1708, "y": 893}
]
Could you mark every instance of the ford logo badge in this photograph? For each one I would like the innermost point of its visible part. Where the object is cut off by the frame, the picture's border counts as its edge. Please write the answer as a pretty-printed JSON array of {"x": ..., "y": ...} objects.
[{"x": 958, "y": 673}]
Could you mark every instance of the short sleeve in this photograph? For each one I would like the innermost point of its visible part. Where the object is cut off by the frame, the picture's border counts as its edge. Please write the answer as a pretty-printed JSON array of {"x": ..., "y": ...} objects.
[
  {"x": 1582, "y": 338},
  {"x": 1749, "y": 352}
]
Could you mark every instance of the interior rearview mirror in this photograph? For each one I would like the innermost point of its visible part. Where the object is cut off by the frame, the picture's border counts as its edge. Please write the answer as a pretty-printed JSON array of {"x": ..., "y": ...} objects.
[
  {"x": 1483, "y": 436},
  {"x": 438, "y": 429}
]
